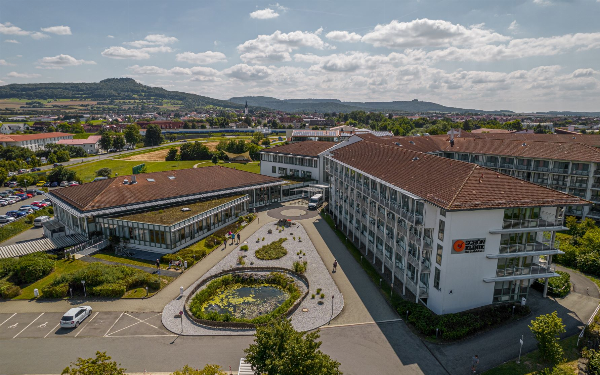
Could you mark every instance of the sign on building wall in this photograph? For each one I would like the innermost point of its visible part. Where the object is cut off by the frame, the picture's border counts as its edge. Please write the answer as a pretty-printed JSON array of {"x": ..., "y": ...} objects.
[{"x": 474, "y": 245}]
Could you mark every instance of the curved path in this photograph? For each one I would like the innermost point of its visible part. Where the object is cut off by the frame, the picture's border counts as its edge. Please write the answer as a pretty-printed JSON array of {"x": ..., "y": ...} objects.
[{"x": 581, "y": 284}]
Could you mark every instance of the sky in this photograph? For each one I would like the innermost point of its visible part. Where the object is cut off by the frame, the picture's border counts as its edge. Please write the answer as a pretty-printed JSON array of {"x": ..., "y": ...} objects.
[{"x": 520, "y": 55}]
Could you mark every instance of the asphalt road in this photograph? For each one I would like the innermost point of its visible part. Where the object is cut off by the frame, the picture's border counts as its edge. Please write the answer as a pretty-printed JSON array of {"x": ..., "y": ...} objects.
[{"x": 32, "y": 343}]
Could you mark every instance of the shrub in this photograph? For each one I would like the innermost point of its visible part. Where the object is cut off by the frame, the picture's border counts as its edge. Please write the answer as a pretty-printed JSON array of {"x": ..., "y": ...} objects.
[
  {"x": 593, "y": 357},
  {"x": 7, "y": 266},
  {"x": 189, "y": 254},
  {"x": 274, "y": 250},
  {"x": 29, "y": 219},
  {"x": 32, "y": 268},
  {"x": 8, "y": 290},
  {"x": 312, "y": 296},
  {"x": 244, "y": 248},
  {"x": 557, "y": 286},
  {"x": 241, "y": 260},
  {"x": 108, "y": 290},
  {"x": 319, "y": 290},
  {"x": 300, "y": 267},
  {"x": 55, "y": 291}
]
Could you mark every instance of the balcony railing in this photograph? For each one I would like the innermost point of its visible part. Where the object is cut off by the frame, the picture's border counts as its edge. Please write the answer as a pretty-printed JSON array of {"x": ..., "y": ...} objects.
[
  {"x": 558, "y": 183},
  {"x": 581, "y": 172},
  {"x": 491, "y": 165},
  {"x": 523, "y": 167},
  {"x": 530, "y": 223},
  {"x": 540, "y": 169},
  {"x": 579, "y": 184},
  {"x": 559, "y": 170},
  {"x": 540, "y": 181},
  {"x": 535, "y": 269},
  {"x": 596, "y": 186},
  {"x": 507, "y": 165},
  {"x": 519, "y": 248},
  {"x": 427, "y": 242}
]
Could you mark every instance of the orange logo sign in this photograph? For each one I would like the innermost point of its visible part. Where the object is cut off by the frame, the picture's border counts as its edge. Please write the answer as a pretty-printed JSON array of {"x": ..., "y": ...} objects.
[{"x": 459, "y": 246}]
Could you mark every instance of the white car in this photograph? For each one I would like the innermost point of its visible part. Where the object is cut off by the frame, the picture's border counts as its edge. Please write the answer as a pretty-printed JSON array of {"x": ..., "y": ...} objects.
[
  {"x": 6, "y": 219},
  {"x": 64, "y": 184},
  {"x": 75, "y": 316}
]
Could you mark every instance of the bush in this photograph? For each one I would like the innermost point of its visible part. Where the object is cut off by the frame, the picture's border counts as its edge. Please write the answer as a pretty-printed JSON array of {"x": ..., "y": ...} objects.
[
  {"x": 7, "y": 266},
  {"x": 557, "y": 286},
  {"x": 104, "y": 172},
  {"x": 189, "y": 254},
  {"x": 32, "y": 268},
  {"x": 244, "y": 248},
  {"x": 593, "y": 357},
  {"x": 8, "y": 290},
  {"x": 55, "y": 291},
  {"x": 108, "y": 290},
  {"x": 274, "y": 250},
  {"x": 300, "y": 267}
]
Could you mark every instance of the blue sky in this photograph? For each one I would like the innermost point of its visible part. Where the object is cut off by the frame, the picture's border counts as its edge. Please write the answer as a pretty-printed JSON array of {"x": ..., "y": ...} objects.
[{"x": 523, "y": 55}]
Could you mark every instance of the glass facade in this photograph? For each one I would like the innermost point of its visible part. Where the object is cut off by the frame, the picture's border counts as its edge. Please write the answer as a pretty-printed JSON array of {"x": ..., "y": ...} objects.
[{"x": 511, "y": 291}]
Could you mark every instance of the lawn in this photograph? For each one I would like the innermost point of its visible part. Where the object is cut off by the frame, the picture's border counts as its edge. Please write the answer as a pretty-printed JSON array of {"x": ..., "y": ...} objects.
[
  {"x": 111, "y": 257},
  {"x": 531, "y": 363},
  {"x": 81, "y": 135},
  {"x": 87, "y": 172},
  {"x": 61, "y": 267}
]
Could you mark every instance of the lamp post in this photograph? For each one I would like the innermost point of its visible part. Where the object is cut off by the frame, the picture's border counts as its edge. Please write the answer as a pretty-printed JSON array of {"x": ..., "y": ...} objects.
[
  {"x": 520, "y": 348},
  {"x": 84, "y": 292},
  {"x": 332, "y": 297}
]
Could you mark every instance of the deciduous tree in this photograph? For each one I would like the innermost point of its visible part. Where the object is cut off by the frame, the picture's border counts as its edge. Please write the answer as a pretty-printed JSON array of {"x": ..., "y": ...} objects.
[
  {"x": 101, "y": 365},
  {"x": 546, "y": 329}
]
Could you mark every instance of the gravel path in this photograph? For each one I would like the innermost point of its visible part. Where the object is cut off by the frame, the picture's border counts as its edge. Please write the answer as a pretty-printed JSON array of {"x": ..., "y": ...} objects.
[{"x": 310, "y": 315}]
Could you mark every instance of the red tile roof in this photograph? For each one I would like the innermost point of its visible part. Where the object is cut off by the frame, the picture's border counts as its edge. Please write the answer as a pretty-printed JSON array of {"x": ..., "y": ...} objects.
[
  {"x": 92, "y": 139},
  {"x": 447, "y": 183},
  {"x": 305, "y": 148},
  {"x": 113, "y": 193},
  {"x": 29, "y": 137}
]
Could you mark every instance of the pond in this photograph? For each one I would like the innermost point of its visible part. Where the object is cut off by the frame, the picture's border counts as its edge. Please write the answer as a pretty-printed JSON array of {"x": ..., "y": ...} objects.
[{"x": 246, "y": 302}]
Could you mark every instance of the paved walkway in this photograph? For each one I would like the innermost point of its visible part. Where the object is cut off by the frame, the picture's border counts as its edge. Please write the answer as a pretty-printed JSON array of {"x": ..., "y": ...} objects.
[
  {"x": 145, "y": 269},
  {"x": 581, "y": 284}
]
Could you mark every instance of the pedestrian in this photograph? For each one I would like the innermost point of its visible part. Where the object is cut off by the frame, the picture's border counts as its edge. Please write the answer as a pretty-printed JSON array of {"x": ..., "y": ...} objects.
[
  {"x": 335, "y": 266},
  {"x": 474, "y": 363},
  {"x": 225, "y": 244},
  {"x": 157, "y": 264},
  {"x": 239, "y": 238}
]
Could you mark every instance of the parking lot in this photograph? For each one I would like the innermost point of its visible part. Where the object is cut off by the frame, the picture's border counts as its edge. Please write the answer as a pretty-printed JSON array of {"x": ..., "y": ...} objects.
[{"x": 99, "y": 324}]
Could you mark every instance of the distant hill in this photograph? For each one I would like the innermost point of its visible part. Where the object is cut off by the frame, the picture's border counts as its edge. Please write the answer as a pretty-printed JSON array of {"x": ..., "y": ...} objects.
[
  {"x": 108, "y": 89},
  {"x": 335, "y": 105}
]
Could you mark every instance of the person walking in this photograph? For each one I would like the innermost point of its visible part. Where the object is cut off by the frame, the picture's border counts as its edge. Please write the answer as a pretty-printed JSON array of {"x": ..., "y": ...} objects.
[
  {"x": 474, "y": 363},
  {"x": 225, "y": 244},
  {"x": 158, "y": 267},
  {"x": 239, "y": 238},
  {"x": 335, "y": 266}
]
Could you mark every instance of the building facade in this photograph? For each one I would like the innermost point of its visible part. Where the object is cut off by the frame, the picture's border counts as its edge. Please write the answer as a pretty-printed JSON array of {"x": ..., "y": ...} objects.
[
  {"x": 91, "y": 145},
  {"x": 34, "y": 142},
  {"x": 297, "y": 160},
  {"x": 452, "y": 235}
]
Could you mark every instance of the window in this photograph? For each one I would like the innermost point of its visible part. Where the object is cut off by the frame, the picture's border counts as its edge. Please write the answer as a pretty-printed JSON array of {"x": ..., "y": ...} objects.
[
  {"x": 442, "y": 212},
  {"x": 441, "y": 230},
  {"x": 436, "y": 279},
  {"x": 438, "y": 257},
  {"x": 273, "y": 169}
]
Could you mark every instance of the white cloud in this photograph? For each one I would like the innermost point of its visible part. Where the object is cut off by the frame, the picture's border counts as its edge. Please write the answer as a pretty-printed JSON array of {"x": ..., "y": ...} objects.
[
  {"x": 63, "y": 60},
  {"x": 429, "y": 33},
  {"x": 202, "y": 58},
  {"x": 514, "y": 26},
  {"x": 343, "y": 36},
  {"x": 244, "y": 72},
  {"x": 58, "y": 30},
  {"x": 125, "y": 53},
  {"x": 110, "y": 36},
  {"x": 264, "y": 14},
  {"x": 23, "y": 75},
  {"x": 152, "y": 40},
  {"x": 584, "y": 73},
  {"x": 155, "y": 70},
  {"x": 8, "y": 28},
  {"x": 278, "y": 46},
  {"x": 12, "y": 41},
  {"x": 157, "y": 49},
  {"x": 38, "y": 35},
  {"x": 5, "y": 63}
]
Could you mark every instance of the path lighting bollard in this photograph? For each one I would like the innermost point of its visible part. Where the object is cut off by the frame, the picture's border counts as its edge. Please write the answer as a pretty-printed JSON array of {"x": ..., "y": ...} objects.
[
  {"x": 146, "y": 291},
  {"x": 332, "y": 296},
  {"x": 185, "y": 264},
  {"x": 406, "y": 314},
  {"x": 181, "y": 291},
  {"x": 513, "y": 310},
  {"x": 520, "y": 348},
  {"x": 84, "y": 292},
  {"x": 380, "y": 282},
  {"x": 436, "y": 332},
  {"x": 71, "y": 291}
]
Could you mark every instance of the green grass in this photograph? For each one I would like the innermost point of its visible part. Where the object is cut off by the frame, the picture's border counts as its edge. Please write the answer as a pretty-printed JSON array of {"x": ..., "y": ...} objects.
[
  {"x": 61, "y": 267},
  {"x": 531, "y": 363},
  {"x": 81, "y": 135},
  {"x": 141, "y": 152},
  {"x": 87, "y": 172},
  {"x": 253, "y": 167},
  {"x": 141, "y": 292},
  {"x": 111, "y": 257}
]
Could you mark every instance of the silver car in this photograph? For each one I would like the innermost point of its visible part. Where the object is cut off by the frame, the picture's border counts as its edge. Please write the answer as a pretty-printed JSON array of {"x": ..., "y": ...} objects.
[{"x": 75, "y": 316}]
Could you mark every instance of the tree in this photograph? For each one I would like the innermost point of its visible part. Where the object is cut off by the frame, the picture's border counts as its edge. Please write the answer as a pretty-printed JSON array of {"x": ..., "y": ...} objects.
[
  {"x": 257, "y": 137},
  {"x": 153, "y": 136},
  {"x": 104, "y": 172},
  {"x": 215, "y": 159},
  {"x": 266, "y": 142},
  {"x": 546, "y": 329},
  {"x": 26, "y": 180},
  {"x": 207, "y": 370},
  {"x": 118, "y": 141},
  {"x": 172, "y": 154},
  {"x": 101, "y": 365},
  {"x": 132, "y": 134},
  {"x": 61, "y": 173},
  {"x": 106, "y": 141},
  {"x": 63, "y": 156},
  {"x": 278, "y": 349},
  {"x": 3, "y": 175}
]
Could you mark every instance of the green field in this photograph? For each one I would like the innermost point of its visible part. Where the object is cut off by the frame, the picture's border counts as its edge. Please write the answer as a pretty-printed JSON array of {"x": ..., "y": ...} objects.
[{"x": 81, "y": 135}]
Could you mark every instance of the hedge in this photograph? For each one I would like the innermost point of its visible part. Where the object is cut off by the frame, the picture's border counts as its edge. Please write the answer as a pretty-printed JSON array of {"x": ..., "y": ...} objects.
[
  {"x": 55, "y": 291},
  {"x": 224, "y": 282},
  {"x": 108, "y": 290},
  {"x": 31, "y": 268},
  {"x": 9, "y": 290}
]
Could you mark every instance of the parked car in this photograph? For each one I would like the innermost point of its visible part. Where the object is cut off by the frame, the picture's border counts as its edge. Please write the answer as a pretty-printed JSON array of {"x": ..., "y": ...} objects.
[
  {"x": 40, "y": 184},
  {"x": 40, "y": 204},
  {"x": 13, "y": 184},
  {"x": 26, "y": 211},
  {"x": 57, "y": 165},
  {"x": 3, "y": 202},
  {"x": 54, "y": 184},
  {"x": 21, "y": 171},
  {"x": 10, "y": 174},
  {"x": 6, "y": 183},
  {"x": 6, "y": 219},
  {"x": 38, "y": 221},
  {"x": 73, "y": 183},
  {"x": 36, "y": 169},
  {"x": 4, "y": 193},
  {"x": 14, "y": 198},
  {"x": 64, "y": 183},
  {"x": 47, "y": 184},
  {"x": 16, "y": 214},
  {"x": 75, "y": 316},
  {"x": 21, "y": 196}
]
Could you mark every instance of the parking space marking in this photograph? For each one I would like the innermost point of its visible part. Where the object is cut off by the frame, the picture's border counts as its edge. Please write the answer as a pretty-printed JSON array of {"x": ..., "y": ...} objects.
[
  {"x": 140, "y": 321},
  {"x": 170, "y": 335},
  {"x": 8, "y": 319},
  {"x": 53, "y": 329},
  {"x": 114, "y": 323},
  {"x": 39, "y": 316},
  {"x": 86, "y": 324}
]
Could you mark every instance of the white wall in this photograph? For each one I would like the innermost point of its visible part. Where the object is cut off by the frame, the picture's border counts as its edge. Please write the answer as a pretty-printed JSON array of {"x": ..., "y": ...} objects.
[
  {"x": 266, "y": 168},
  {"x": 463, "y": 274}
]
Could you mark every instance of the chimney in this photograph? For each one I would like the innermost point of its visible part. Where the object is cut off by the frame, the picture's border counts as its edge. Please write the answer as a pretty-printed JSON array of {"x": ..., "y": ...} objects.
[{"x": 133, "y": 181}]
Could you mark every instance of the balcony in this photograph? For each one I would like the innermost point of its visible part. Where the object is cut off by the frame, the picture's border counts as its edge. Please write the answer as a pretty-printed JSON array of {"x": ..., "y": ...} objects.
[
  {"x": 558, "y": 183},
  {"x": 582, "y": 185},
  {"x": 523, "y": 167},
  {"x": 540, "y": 181},
  {"x": 427, "y": 243},
  {"x": 593, "y": 214},
  {"x": 541, "y": 169},
  {"x": 581, "y": 172},
  {"x": 491, "y": 165},
  {"x": 523, "y": 273},
  {"x": 559, "y": 170},
  {"x": 529, "y": 225},
  {"x": 596, "y": 186},
  {"x": 507, "y": 165},
  {"x": 521, "y": 250}
]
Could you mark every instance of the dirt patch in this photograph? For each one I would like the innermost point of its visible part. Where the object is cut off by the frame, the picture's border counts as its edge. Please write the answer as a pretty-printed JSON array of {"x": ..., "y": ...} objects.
[{"x": 159, "y": 155}]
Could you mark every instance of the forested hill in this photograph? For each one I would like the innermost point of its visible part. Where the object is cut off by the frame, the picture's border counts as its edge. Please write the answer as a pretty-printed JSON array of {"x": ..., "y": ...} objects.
[
  {"x": 335, "y": 105},
  {"x": 108, "y": 89}
]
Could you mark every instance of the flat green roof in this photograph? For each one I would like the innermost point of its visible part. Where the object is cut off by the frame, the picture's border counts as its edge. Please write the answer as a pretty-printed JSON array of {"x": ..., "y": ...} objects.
[{"x": 173, "y": 214}]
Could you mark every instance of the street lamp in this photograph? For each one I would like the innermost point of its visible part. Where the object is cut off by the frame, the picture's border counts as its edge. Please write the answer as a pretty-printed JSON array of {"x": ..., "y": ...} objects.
[
  {"x": 84, "y": 292},
  {"x": 332, "y": 297}
]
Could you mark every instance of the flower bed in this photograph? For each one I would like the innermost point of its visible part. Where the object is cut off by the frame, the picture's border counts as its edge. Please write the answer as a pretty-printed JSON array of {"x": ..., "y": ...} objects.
[{"x": 274, "y": 250}]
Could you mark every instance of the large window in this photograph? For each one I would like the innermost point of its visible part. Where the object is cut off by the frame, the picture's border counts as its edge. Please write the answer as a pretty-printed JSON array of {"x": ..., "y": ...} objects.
[
  {"x": 436, "y": 279},
  {"x": 442, "y": 227},
  {"x": 507, "y": 291},
  {"x": 438, "y": 256}
]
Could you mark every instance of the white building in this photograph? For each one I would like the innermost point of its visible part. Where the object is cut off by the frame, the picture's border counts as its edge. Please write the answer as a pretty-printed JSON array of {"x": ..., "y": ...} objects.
[
  {"x": 34, "y": 142},
  {"x": 91, "y": 145},
  {"x": 449, "y": 234},
  {"x": 300, "y": 160},
  {"x": 9, "y": 128}
]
